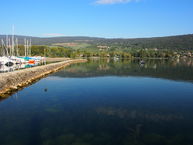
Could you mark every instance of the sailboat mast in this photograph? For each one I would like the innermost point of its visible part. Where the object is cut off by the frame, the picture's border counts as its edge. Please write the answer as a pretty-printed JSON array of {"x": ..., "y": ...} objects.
[
  {"x": 13, "y": 43},
  {"x": 30, "y": 46},
  {"x": 7, "y": 45},
  {"x": 17, "y": 47},
  {"x": 9, "y": 48},
  {"x": 2, "y": 47},
  {"x": 25, "y": 46}
]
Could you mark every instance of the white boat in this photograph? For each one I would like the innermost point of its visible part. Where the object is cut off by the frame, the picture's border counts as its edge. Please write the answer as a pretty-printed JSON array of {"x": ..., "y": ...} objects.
[
  {"x": 4, "y": 68},
  {"x": 18, "y": 60},
  {"x": 6, "y": 61}
]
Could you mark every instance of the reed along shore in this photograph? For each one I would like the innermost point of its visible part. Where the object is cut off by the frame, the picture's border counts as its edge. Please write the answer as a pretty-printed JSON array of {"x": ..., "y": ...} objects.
[{"x": 11, "y": 82}]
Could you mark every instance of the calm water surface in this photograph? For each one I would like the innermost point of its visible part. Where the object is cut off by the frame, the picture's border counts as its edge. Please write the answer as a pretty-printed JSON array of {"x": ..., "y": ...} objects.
[{"x": 104, "y": 102}]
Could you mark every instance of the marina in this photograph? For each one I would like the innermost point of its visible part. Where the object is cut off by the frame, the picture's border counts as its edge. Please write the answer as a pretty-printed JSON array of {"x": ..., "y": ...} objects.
[
  {"x": 10, "y": 56},
  {"x": 13, "y": 81}
]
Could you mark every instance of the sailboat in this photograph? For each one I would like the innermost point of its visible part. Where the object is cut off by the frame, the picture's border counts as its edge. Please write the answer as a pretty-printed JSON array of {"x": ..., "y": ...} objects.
[
  {"x": 10, "y": 52},
  {"x": 5, "y": 58},
  {"x": 6, "y": 61},
  {"x": 5, "y": 68}
]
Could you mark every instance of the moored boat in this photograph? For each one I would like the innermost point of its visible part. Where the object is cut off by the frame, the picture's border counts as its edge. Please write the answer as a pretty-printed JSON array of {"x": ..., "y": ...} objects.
[{"x": 6, "y": 61}]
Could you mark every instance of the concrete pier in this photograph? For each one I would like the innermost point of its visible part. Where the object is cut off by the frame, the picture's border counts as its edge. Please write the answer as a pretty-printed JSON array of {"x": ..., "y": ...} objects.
[{"x": 13, "y": 81}]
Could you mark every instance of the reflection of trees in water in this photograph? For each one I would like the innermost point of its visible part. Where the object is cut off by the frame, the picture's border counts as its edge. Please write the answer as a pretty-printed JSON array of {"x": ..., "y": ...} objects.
[
  {"x": 103, "y": 67},
  {"x": 169, "y": 69}
]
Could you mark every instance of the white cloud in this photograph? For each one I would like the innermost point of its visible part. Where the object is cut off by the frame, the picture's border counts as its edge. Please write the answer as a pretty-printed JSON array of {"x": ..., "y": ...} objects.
[
  {"x": 53, "y": 34},
  {"x": 105, "y": 2}
]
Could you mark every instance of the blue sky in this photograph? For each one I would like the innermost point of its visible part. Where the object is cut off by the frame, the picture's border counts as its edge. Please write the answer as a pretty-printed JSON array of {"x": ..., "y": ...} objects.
[{"x": 98, "y": 18}]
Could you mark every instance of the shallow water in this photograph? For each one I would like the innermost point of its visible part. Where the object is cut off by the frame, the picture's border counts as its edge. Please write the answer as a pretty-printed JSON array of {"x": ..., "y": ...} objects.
[{"x": 104, "y": 102}]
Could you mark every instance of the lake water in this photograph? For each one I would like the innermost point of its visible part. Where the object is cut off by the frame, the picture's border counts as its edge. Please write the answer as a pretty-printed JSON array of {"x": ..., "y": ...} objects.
[{"x": 104, "y": 102}]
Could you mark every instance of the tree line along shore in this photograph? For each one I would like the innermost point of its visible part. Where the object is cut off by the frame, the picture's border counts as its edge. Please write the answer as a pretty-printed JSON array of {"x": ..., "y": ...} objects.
[{"x": 105, "y": 51}]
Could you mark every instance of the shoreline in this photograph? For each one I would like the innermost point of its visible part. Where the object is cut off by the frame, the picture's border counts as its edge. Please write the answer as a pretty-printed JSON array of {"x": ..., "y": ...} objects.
[
  {"x": 56, "y": 59},
  {"x": 12, "y": 82}
]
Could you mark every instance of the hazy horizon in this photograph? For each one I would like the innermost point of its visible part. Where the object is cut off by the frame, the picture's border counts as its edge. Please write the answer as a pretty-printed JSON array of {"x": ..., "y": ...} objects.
[{"x": 96, "y": 36}]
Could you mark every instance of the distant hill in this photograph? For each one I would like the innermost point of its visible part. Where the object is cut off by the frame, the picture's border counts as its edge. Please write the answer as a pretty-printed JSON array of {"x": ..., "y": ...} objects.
[
  {"x": 52, "y": 40},
  {"x": 171, "y": 42}
]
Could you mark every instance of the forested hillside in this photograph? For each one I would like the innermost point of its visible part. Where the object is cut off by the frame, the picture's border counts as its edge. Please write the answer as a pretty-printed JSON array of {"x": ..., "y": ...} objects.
[{"x": 172, "y": 42}]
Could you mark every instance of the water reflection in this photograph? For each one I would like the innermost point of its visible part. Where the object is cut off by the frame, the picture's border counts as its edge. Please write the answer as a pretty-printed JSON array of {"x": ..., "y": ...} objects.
[
  {"x": 168, "y": 69},
  {"x": 104, "y": 103}
]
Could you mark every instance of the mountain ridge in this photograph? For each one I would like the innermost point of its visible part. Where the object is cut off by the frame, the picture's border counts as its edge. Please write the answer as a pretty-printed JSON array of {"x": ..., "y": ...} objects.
[{"x": 167, "y": 42}]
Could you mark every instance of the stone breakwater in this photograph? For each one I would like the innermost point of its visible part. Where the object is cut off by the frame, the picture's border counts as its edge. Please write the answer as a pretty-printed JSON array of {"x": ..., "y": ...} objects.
[{"x": 13, "y": 81}]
